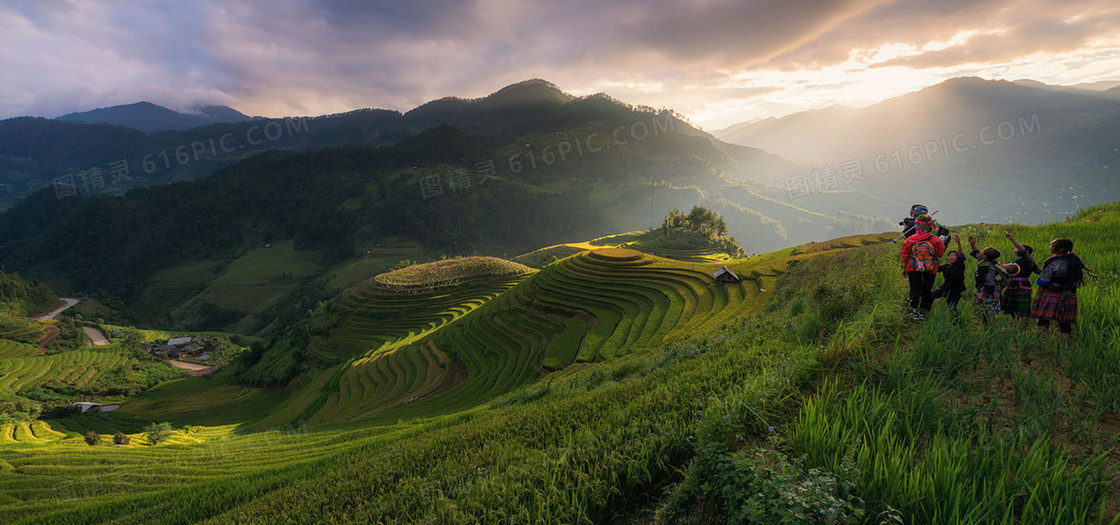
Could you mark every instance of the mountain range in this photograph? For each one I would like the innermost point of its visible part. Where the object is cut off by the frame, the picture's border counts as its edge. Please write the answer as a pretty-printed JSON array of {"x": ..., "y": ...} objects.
[{"x": 989, "y": 150}]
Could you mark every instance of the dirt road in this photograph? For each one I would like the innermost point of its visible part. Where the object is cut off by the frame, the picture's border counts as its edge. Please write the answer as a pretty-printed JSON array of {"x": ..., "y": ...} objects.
[
  {"x": 96, "y": 338},
  {"x": 197, "y": 370},
  {"x": 52, "y": 332},
  {"x": 66, "y": 303}
]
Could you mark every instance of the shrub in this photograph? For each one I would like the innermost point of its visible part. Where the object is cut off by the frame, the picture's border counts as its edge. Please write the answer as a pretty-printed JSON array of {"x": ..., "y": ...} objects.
[
  {"x": 93, "y": 438},
  {"x": 157, "y": 433},
  {"x": 763, "y": 485},
  {"x": 15, "y": 408},
  {"x": 121, "y": 439}
]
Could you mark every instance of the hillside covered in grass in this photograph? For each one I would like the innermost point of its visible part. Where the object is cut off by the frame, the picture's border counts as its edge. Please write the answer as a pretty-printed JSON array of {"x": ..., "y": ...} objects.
[
  {"x": 617, "y": 386},
  {"x": 448, "y": 273}
]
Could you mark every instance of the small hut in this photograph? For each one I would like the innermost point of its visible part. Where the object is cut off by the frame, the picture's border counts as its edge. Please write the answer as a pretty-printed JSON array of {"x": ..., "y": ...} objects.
[{"x": 724, "y": 275}]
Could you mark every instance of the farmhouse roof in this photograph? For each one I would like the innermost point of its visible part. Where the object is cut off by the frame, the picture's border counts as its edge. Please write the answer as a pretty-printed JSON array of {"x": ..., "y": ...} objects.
[
  {"x": 724, "y": 270},
  {"x": 85, "y": 405},
  {"x": 176, "y": 341}
]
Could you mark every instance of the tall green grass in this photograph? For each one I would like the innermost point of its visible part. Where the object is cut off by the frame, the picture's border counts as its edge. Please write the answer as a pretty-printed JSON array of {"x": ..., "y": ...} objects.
[{"x": 948, "y": 421}]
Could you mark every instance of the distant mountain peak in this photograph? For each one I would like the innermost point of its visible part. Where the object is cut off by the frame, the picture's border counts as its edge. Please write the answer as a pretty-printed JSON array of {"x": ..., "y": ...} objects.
[
  {"x": 531, "y": 83},
  {"x": 972, "y": 83},
  {"x": 534, "y": 89},
  {"x": 149, "y": 117}
]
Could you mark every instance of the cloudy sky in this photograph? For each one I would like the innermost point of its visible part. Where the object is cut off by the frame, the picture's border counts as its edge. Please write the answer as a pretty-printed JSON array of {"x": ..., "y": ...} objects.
[{"x": 716, "y": 61}]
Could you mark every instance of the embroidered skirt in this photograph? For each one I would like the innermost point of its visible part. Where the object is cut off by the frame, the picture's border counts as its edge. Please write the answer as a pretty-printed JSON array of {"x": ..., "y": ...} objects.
[{"x": 1055, "y": 306}]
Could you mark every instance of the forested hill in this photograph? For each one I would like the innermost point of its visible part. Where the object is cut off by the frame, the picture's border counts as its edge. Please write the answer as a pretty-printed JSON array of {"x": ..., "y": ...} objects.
[
  {"x": 320, "y": 199},
  {"x": 25, "y": 297},
  {"x": 36, "y": 151}
]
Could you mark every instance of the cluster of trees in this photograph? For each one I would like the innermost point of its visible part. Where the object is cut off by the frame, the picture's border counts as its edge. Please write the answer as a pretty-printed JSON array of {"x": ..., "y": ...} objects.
[
  {"x": 70, "y": 334},
  {"x": 699, "y": 228},
  {"x": 15, "y": 408},
  {"x": 698, "y": 219},
  {"x": 154, "y": 434}
]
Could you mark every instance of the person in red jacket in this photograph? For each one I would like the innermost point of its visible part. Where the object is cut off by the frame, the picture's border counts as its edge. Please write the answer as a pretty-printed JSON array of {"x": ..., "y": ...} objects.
[{"x": 920, "y": 255}]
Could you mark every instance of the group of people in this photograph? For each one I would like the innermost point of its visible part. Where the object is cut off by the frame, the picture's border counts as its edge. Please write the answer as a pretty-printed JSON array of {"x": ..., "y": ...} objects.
[{"x": 1000, "y": 288}]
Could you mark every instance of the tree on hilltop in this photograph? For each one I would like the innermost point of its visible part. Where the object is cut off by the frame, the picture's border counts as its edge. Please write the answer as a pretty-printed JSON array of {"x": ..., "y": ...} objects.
[{"x": 698, "y": 219}]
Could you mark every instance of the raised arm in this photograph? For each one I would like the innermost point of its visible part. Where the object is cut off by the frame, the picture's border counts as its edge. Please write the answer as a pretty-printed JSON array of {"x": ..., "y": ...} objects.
[
  {"x": 958, "y": 239},
  {"x": 1010, "y": 237},
  {"x": 975, "y": 253}
]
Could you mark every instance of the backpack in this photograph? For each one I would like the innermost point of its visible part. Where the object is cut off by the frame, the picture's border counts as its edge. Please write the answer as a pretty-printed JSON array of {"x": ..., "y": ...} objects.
[
  {"x": 1001, "y": 277},
  {"x": 924, "y": 258},
  {"x": 1074, "y": 275}
]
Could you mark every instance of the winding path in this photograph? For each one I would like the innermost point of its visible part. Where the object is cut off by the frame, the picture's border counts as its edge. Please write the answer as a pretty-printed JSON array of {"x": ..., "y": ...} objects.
[
  {"x": 66, "y": 303},
  {"x": 52, "y": 330},
  {"x": 96, "y": 338}
]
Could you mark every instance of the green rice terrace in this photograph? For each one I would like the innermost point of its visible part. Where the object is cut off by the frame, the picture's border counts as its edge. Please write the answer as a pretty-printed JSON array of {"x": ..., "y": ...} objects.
[
  {"x": 620, "y": 381},
  {"x": 20, "y": 336}
]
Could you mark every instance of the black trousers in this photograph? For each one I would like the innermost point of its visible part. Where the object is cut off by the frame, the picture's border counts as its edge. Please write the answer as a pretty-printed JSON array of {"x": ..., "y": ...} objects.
[
  {"x": 952, "y": 297},
  {"x": 921, "y": 289}
]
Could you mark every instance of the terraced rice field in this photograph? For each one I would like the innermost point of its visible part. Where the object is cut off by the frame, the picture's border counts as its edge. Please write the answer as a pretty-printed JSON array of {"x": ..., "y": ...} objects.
[
  {"x": 68, "y": 473},
  {"x": 589, "y": 307},
  {"x": 21, "y": 329},
  {"x": 636, "y": 240},
  {"x": 545, "y": 256},
  {"x": 851, "y": 241},
  {"x": 380, "y": 364},
  {"x": 376, "y": 321},
  {"x": 78, "y": 368},
  {"x": 479, "y": 343},
  {"x": 10, "y": 349},
  {"x": 28, "y": 432},
  {"x": 701, "y": 255}
]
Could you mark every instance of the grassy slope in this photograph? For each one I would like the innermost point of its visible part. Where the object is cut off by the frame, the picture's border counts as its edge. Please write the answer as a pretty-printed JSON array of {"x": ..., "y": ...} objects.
[
  {"x": 260, "y": 277},
  {"x": 77, "y": 367},
  {"x": 942, "y": 422},
  {"x": 448, "y": 272},
  {"x": 19, "y": 300},
  {"x": 256, "y": 280},
  {"x": 679, "y": 245},
  {"x": 684, "y": 245},
  {"x": 211, "y": 401}
]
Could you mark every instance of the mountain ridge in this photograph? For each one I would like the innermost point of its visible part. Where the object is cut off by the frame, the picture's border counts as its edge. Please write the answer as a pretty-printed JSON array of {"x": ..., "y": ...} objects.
[
  {"x": 1043, "y": 150},
  {"x": 148, "y": 117}
]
